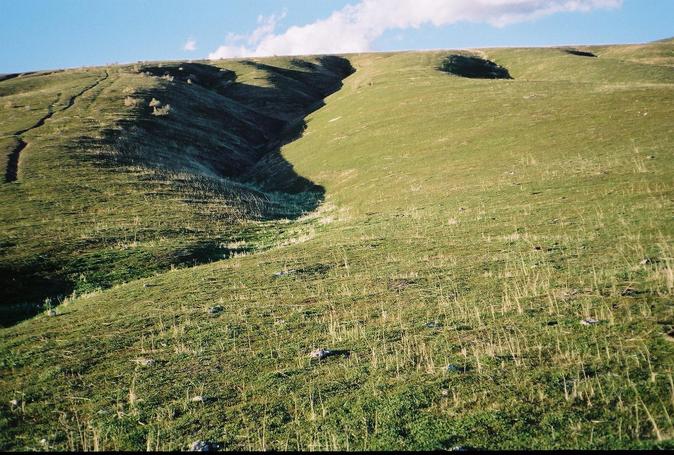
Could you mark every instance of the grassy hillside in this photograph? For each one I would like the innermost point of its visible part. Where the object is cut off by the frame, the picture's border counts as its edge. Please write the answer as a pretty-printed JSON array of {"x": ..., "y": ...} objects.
[
  {"x": 489, "y": 261},
  {"x": 106, "y": 190}
]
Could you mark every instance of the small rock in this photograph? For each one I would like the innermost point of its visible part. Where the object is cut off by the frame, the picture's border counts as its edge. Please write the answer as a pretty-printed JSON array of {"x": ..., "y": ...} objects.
[
  {"x": 284, "y": 272},
  {"x": 145, "y": 362},
  {"x": 14, "y": 402},
  {"x": 629, "y": 292},
  {"x": 455, "y": 369},
  {"x": 647, "y": 261},
  {"x": 445, "y": 392},
  {"x": 215, "y": 309},
  {"x": 197, "y": 399},
  {"x": 433, "y": 325},
  {"x": 319, "y": 354},
  {"x": 651, "y": 157},
  {"x": 51, "y": 312},
  {"x": 204, "y": 446},
  {"x": 589, "y": 321}
]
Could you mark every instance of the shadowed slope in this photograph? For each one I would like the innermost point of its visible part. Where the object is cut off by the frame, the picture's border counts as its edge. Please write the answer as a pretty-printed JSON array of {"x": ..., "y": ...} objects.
[{"x": 175, "y": 171}]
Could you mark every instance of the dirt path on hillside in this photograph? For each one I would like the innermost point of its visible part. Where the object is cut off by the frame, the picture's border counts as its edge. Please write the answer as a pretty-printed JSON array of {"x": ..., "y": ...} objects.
[{"x": 12, "y": 172}]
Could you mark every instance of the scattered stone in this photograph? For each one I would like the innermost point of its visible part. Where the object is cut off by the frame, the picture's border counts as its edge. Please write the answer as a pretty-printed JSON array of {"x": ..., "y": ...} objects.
[
  {"x": 566, "y": 293},
  {"x": 445, "y": 392},
  {"x": 14, "y": 402},
  {"x": 463, "y": 327},
  {"x": 433, "y": 325},
  {"x": 284, "y": 272},
  {"x": 629, "y": 291},
  {"x": 320, "y": 353},
  {"x": 198, "y": 399},
  {"x": 647, "y": 261},
  {"x": 51, "y": 312},
  {"x": 145, "y": 362},
  {"x": 400, "y": 284},
  {"x": 204, "y": 446},
  {"x": 455, "y": 369},
  {"x": 217, "y": 309},
  {"x": 589, "y": 321},
  {"x": 651, "y": 157}
]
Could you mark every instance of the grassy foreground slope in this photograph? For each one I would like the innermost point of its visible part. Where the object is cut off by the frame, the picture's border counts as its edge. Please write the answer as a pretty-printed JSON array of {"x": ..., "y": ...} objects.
[{"x": 468, "y": 227}]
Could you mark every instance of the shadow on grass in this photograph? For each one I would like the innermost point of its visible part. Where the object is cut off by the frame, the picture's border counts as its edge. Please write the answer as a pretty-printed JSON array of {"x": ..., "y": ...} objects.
[
  {"x": 473, "y": 67},
  {"x": 221, "y": 139}
]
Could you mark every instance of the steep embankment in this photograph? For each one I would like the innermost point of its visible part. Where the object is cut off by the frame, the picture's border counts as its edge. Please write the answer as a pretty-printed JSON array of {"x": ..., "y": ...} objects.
[
  {"x": 491, "y": 268},
  {"x": 133, "y": 170}
]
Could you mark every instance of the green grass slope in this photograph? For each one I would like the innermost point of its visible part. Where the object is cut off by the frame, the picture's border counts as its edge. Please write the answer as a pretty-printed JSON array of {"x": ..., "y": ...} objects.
[
  {"x": 468, "y": 226},
  {"x": 101, "y": 190}
]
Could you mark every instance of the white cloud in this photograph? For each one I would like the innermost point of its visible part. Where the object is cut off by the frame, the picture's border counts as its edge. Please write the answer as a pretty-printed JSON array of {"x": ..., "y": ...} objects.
[
  {"x": 190, "y": 45},
  {"x": 355, "y": 27}
]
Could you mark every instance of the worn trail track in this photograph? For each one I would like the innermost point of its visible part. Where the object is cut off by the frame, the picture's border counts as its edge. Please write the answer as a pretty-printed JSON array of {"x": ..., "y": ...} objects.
[{"x": 11, "y": 174}]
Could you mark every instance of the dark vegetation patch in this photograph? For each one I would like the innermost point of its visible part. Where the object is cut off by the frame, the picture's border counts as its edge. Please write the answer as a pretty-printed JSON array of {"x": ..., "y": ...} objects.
[
  {"x": 579, "y": 53},
  {"x": 473, "y": 67},
  {"x": 221, "y": 128}
]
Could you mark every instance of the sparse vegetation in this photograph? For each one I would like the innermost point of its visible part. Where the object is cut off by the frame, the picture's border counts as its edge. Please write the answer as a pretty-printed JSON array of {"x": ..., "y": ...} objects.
[{"x": 434, "y": 262}]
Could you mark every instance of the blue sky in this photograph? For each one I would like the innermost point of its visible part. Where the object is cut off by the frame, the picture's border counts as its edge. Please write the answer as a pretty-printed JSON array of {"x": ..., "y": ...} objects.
[{"x": 47, "y": 34}]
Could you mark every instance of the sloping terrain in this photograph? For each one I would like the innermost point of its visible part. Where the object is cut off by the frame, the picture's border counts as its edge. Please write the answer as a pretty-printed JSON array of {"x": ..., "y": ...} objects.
[
  {"x": 101, "y": 187},
  {"x": 488, "y": 262}
]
